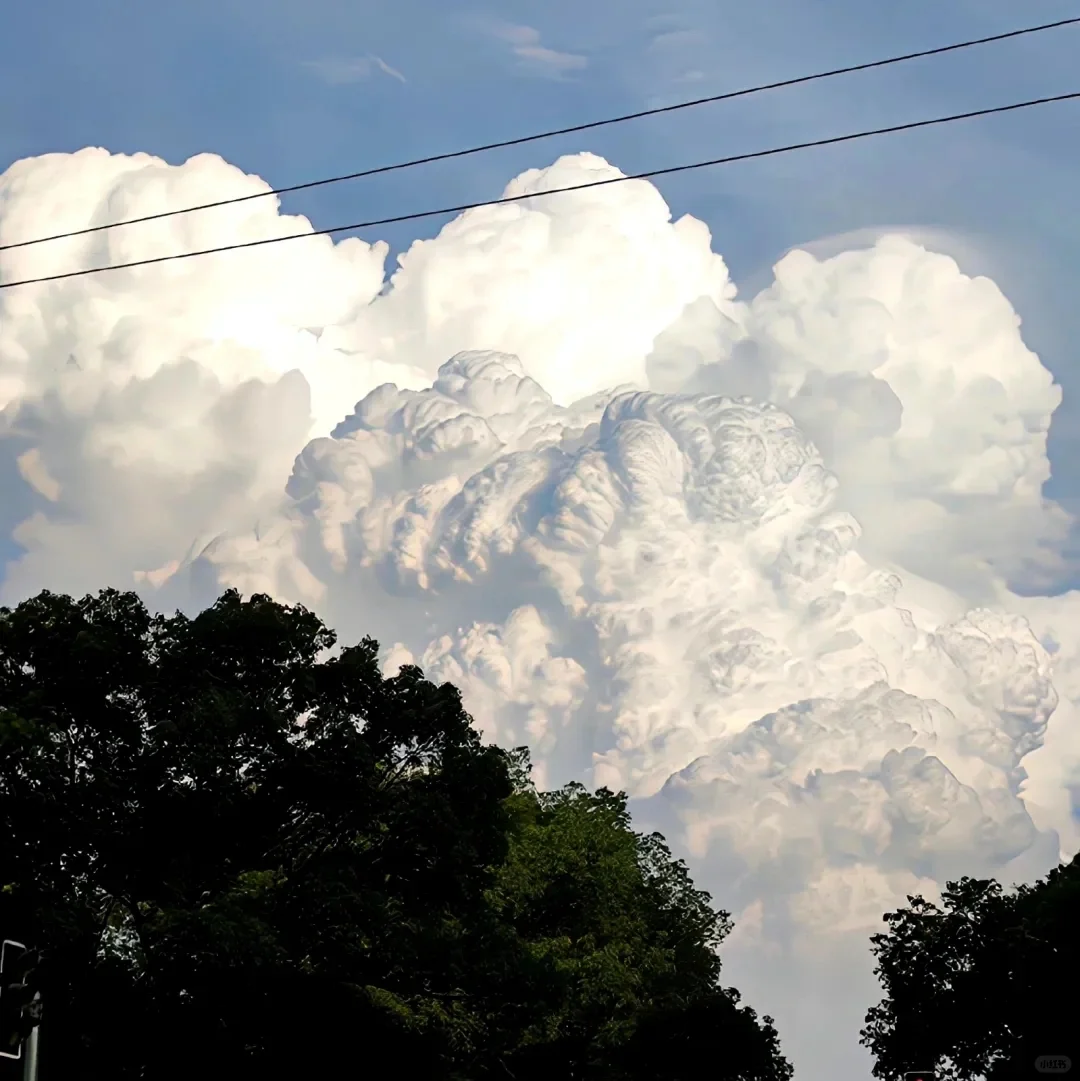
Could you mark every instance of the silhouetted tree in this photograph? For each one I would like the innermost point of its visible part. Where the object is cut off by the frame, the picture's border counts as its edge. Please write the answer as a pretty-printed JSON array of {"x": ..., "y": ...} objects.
[
  {"x": 243, "y": 851},
  {"x": 982, "y": 986}
]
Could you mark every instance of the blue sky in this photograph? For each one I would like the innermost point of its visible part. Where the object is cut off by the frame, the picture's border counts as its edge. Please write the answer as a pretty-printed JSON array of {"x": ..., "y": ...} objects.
[{"x": 296, "y": 89}]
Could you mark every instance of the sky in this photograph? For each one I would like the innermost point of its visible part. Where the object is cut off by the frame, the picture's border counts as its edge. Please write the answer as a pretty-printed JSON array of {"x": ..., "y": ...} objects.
[{"x": 827, "y": 643}]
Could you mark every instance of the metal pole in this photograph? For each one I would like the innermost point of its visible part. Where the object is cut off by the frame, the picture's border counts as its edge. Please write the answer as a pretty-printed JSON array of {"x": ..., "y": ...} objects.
[{"x": 30, "y": 1055}]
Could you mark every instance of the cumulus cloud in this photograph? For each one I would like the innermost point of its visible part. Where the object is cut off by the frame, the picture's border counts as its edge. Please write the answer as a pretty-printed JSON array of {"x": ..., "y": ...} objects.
[
  {"x": 1051, "y": 786},
  {"x": 78, "y": 356},
  {"x": 747, "y": 559},
  {"x": 160, "y": 397},
  {"x": 915, "y": 382}
]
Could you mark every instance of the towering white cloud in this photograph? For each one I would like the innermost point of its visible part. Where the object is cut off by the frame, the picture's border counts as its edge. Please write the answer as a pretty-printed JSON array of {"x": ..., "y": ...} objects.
[
  {"x": 914, "y": 381},
  {"x": 576, "y": 285},
  {"x": 747, "y": 560}
]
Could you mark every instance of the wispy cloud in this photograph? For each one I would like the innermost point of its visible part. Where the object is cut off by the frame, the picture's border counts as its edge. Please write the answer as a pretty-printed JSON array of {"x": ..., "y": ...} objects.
[
  {"x": 526, "y": 45},
  {"x": 676, "y": 55},
  {"x": 355, "y": 69},
  {"x": 671, "y": 40}
]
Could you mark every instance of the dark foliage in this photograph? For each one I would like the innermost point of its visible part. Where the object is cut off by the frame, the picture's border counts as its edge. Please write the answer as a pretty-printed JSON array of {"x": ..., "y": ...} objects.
[
  {"x": 982, "y": 986},
  {"x": 243, "y": 852}
]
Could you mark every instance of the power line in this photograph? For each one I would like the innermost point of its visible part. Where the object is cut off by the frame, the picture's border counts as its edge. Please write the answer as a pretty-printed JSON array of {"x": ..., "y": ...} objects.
[
  {"x": 668, "y": 171},
  {"x": 519, "y": 141}
]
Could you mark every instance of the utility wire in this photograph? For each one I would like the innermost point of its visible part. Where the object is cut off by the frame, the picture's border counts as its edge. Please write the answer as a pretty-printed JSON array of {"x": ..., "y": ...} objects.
[
  {"x": 521, "y": 140},
  {"x": 460, "y": 208}
]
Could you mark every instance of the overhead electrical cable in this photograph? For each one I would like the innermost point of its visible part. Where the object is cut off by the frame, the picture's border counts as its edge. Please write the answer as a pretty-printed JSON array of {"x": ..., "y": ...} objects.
[
  {"x": 648, "y": 175},
  {"x": 589, "y": 126}
]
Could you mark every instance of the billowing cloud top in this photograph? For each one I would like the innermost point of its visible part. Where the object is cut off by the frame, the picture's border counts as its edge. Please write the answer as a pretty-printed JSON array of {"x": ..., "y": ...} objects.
[{"x": 748, "y": 560}]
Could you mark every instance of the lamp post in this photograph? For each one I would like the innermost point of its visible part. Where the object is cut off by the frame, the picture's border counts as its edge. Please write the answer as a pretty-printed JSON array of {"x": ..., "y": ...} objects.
[{"x": 20, "y": 1007}]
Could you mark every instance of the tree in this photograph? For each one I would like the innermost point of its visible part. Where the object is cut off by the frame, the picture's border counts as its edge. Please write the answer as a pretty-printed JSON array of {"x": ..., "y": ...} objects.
[
  {"x": 618, "y": 976},
  {"x": 978, "y": 987},
  {"x": 241, "y": 849},
  {"x": 227, "y": 842}
]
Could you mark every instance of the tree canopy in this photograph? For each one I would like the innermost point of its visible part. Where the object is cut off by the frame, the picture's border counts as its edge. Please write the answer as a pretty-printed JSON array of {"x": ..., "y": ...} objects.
[
  {"x": 240, "y": 847},
  {"x": 983, "y": 985}
]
